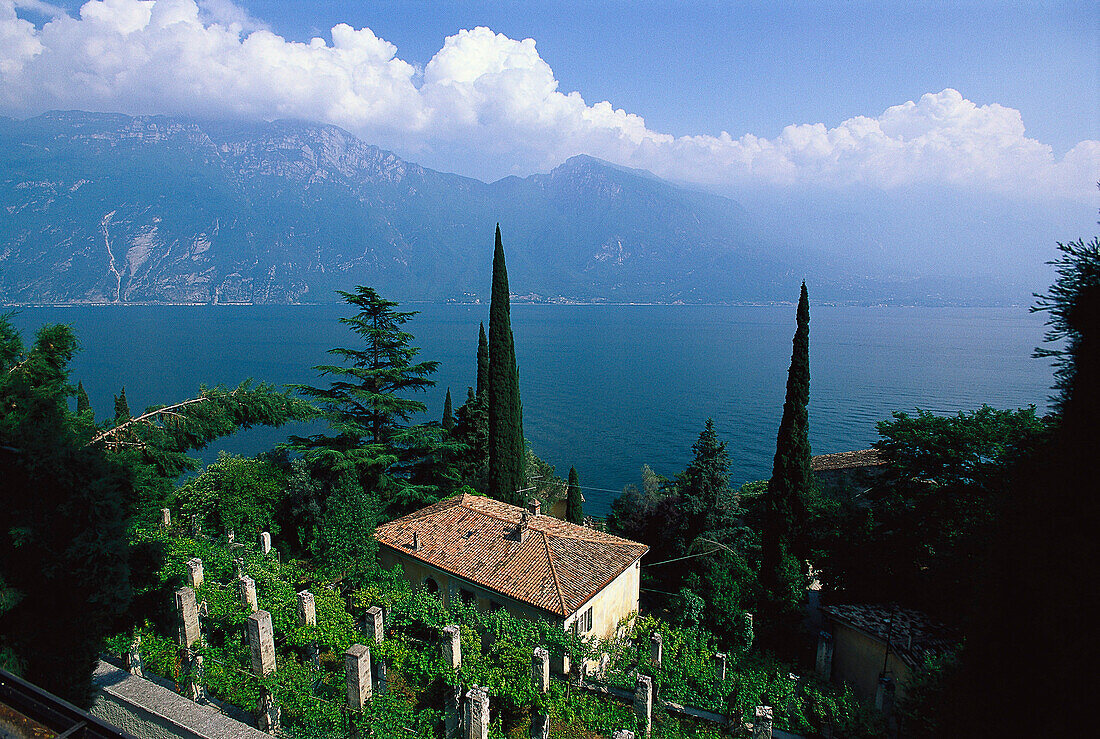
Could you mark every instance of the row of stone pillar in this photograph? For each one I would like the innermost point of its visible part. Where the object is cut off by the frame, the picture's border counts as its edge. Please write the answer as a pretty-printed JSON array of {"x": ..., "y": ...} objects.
[{"x": 196, "y": 530}]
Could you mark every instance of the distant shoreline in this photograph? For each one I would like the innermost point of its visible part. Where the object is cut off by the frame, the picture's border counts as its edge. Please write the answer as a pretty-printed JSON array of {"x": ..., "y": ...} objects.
[{"x": 555, "y": 303}]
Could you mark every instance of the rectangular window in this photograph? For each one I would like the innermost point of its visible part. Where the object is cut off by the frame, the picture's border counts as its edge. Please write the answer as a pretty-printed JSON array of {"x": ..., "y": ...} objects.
[
  {"x": 466, "y": 595},
  {"x": 583, "y": 623}
]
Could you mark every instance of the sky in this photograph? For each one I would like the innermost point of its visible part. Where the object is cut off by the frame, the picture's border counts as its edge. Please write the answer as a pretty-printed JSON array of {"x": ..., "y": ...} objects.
[{"x": 985, "y": 97}]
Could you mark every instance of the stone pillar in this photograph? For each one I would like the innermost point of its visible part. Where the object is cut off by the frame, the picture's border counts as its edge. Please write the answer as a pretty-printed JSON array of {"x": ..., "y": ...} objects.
[
  {"x": 265, "y": 542},
  {"x": 375, "y": 626},
  {"x": 230, "y": 536},
  {"x": 383, "y": 680},
  {"x": 452, "y": 712},
  {"x": 247, "y": 587},
  {"x": 195, "y": 677},
  {"x": 307, "y": 616},
  {"x": 762, "y": 723},
  {"x": 165, "y": 518},
  {"x": 824, "y": 666},
  {"x": 357, "y": 665},
  {"x": 268, "y": 720},
  {"x": 133, "y": 658},
  {"x": 623, "y": 734},
  {"x": 643, "y": 703},
  {"x": 188, "y": 610},
  {"x": 884, "y": 695},
  {"x": 749, "y": 632},
  {"x": 477, "y": 713},
  {"x": 540, "y": 726},
  {"x": 656, "y": 648},
  {"x": 452, "y": 647},
  {"x": 540, "y": 669},
  {"x": 194, "y": 573},
  {"x": 261, "y": 639},
  {"x": 720, "y": 667},
  {"x": 605, "y": 662},
  {"x": 196, "y": 526}
]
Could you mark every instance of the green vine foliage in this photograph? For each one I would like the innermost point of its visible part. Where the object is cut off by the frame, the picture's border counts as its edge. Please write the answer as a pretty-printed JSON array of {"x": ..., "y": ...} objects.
[{"x": 496, "y": 654}]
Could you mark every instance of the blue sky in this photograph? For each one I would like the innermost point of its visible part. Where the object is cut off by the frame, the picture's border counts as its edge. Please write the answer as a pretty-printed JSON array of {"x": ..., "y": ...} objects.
[
  {"x": 989, "y": 97},
  {"x": 755, "y": 67}
]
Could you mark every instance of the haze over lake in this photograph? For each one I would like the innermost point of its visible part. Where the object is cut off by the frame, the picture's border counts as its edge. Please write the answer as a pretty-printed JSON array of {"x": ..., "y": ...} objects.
[{"x": 605, "y": 388}]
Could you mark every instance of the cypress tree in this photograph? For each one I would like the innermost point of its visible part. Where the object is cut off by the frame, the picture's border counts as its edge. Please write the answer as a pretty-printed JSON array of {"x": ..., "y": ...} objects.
[
  {"x": 448, "y": 417},
  {"x": 482, "y": 362},
  {"x": 122, "y": 408},
  {"x": 574, "y": 502},
  {"x": 506, "y": 447},
  {"x": 783, "y": 548},
  {"x": 83, "y": 404}
]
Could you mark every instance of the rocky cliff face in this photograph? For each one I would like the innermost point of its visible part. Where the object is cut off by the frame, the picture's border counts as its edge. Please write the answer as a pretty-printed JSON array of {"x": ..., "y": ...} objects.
[{"x": 100, "y": 208}]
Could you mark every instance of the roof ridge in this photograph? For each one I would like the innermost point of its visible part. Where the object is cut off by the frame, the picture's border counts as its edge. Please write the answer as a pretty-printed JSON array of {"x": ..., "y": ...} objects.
[
  {"x": 553, "y": 571},
  {"x": 611, "y": 539}
]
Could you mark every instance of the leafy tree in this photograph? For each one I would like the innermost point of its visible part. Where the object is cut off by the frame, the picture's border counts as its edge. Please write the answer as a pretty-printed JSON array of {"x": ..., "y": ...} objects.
[
  {"x": 472, "y": 432},
  {"x": 482, "y": 360},
  {"x": 574, "y": 501},
  {"x": 1036, "y": 589},
  {"x": 784, "y": 542},
  {"x": 235, "y": 493},
  {"x": 918, "y": 535},
  {"x": 122, "y": 408},
  {"x": 345, "y": 543},
  {"x": 506, "y": 442},
  {"x": 364, "y": 404},
  {"x": 704, "y": 486},
  {"x": 155, "y": 444},
  {"x": 63, "y": 556},
  {"x": 448, "y": 422},
  {"x": 83, "y": 404}
]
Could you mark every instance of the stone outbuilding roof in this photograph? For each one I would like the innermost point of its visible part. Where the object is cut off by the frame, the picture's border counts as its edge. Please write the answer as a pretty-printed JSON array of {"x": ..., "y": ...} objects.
[
  {"x": 913, "y": 635},
  {"x": 847, "y": 460},
  {"x": 536, "y": 559}
]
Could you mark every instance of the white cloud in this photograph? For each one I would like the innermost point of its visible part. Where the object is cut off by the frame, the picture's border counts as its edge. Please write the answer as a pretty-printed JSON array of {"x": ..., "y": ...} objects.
[{"x": 488, "y": 93}]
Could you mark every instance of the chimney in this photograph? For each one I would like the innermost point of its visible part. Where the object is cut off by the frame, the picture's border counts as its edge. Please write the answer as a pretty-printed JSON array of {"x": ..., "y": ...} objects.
[
  {"x": 534, "y": 507},
  {"x": 416, "y": 542}
]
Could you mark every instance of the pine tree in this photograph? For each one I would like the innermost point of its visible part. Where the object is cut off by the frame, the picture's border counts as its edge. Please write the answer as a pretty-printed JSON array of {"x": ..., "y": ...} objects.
[
  {"x": 83, "y": 404},
  {"x": 448, "y": 417},
  {"x": 783, "y": 548},
  {"x": 122, "y": 408},
  {"x": 364, "y": 404},
  {"x": 472, "y": 432},
  {"x": 574, "y": 501},
  {"x": 482, "y": 362},
  {"x": 506, "y": 444},
  {"x": 704, "y": 485}
]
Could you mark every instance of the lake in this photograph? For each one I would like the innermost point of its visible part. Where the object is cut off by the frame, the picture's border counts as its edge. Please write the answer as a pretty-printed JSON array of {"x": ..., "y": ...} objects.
[{"x": 604, "y": 388}]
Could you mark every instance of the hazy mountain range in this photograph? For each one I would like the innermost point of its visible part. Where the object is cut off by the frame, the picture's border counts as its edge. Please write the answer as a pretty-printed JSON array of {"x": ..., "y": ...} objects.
[{"x": 103, "y": 208}]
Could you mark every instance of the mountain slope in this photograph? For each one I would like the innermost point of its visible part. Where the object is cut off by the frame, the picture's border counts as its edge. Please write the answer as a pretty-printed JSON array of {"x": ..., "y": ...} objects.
[{"x": 112, "y": 208}]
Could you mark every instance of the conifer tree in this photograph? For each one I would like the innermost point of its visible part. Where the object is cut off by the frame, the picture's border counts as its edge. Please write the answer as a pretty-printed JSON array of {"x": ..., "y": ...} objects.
[
  {"x": 448, "y": 417},
  {"x": 122, "y": 408},
  {"x": 482, "y": 362},
  {"x": 472, "y": 432},
  {"x": 783, "y": 549},
  {"x": 83, "y": 404},
  {"x": 574, "y": 501},
  {"x": 506, "y": 444},
  {"x": 704, "y": 485}
]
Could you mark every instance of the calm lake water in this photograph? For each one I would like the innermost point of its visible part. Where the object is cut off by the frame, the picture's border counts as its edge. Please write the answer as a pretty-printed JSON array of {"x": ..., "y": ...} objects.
[{"x": 605, "y": 388}]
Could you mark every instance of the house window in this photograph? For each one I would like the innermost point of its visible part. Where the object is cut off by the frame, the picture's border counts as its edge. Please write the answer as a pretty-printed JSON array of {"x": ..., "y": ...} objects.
[
  {"x": 466, "y": 595},
  {"x": 494, "y": 606},
  {"x": 431, "y": 585},
  {"x": 583, "y": 624}
]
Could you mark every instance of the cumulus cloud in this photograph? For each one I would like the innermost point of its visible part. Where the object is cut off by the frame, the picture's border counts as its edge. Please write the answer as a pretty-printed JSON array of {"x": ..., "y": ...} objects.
[{"x": 489, "y": 93}]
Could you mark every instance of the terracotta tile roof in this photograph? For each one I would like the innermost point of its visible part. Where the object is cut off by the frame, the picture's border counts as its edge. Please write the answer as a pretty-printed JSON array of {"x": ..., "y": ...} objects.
[
  {"x": 847, "y": 460},
  {"x": 912, "y": 635},
  {"x": 557, "y": 566}
]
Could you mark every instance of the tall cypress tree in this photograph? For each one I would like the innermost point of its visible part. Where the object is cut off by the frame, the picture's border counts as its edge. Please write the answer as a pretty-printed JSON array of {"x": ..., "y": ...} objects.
[
  {"x": 783, "y": 548},
  {"x": 122, "y": 407},
  {"x": 482, "y": 361},
  {"x": 448, "y": 416},
  {"x": 574, "y": 501},
  {"x": 83, "y": 404},
  {"x": 506, "y": 447}
]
